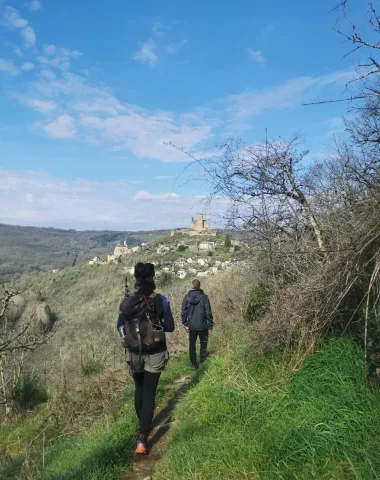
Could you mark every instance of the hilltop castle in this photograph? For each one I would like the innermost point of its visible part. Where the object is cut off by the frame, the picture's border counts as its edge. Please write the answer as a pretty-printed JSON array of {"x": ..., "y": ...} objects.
[{"x": 199, "y": 227}]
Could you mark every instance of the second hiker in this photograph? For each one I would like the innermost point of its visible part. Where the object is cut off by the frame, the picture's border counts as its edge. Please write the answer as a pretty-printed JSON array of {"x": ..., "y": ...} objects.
[{"x": 198, "y": 321}]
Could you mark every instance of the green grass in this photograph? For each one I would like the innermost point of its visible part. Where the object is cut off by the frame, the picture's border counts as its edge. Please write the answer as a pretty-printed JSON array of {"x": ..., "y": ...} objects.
[
  {"x": 28, "y": 393},
  {"x": 92, "y": 366},
  {"x": 258, "y": 420},
  {"x": 104, "y": 451}
]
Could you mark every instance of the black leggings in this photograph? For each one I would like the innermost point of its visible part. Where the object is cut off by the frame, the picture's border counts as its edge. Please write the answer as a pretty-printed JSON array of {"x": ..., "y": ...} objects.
[{"x": 145, "y": 395}]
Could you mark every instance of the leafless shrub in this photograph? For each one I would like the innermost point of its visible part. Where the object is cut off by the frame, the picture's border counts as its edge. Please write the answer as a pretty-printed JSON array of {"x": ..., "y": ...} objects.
[
  {"x": 327, "y": 294},
  {"x": 17, "y": 337}
]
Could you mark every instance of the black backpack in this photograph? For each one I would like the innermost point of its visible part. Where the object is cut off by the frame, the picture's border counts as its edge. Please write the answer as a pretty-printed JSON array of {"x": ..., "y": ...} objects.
[{"x": 143, "y": 329}]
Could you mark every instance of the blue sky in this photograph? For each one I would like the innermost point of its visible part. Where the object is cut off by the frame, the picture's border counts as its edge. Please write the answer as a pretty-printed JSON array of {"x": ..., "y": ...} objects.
[{"x": 91, "y": 92}]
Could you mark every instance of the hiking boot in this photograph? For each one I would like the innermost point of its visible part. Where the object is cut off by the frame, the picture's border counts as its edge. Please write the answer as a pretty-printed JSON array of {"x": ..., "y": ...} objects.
[
  {"x": 194, "y": 366},
  {"x": 142, "y": 445}
]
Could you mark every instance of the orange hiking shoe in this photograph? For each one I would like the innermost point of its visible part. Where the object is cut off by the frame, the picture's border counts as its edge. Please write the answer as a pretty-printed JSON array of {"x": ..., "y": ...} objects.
[{"x": 142, "y": 445}]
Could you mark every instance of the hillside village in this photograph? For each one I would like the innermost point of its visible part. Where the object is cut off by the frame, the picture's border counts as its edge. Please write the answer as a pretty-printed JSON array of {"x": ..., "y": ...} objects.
[{"x": 197, "y": 251}]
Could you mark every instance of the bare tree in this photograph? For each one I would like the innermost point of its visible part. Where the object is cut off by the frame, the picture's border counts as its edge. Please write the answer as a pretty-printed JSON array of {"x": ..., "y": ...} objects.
[
  {"x": 359, "y": 152},
  {"x": 266, "y": 185},
  {"x": 372, "y": 68}
]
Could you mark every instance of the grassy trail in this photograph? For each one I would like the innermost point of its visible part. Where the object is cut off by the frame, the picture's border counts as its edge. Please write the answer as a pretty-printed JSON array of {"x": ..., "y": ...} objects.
[
  {"x": 242, "y": 418},
  {"x": 104, "y": 451}
]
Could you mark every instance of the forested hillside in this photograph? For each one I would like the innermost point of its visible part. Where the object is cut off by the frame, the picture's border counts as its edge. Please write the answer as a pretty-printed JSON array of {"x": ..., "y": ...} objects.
[{"x": 34, "y": 249}]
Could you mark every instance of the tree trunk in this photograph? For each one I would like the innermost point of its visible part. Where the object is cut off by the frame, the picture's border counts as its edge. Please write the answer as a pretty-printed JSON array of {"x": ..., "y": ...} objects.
[
  {"x": 3, "y": 387},
  {"x": 309, "y": 214}
]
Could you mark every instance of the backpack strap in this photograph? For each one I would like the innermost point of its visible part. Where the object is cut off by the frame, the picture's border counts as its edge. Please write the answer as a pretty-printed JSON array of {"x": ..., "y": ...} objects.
[{"x": 147, "y": 303}]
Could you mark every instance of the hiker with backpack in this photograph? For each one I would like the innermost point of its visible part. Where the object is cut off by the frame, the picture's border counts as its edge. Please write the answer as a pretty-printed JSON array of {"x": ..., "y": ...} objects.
[
  {"x": 144, "y": 318},
  {"x": 198, "y": 321}
]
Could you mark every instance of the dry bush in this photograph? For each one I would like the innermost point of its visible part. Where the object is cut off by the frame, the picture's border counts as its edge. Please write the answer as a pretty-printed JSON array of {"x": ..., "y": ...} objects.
[{"x": 325, "y": 293}]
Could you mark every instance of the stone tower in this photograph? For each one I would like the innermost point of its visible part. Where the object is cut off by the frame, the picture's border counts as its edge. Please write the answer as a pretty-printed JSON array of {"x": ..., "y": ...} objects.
[{"x": 199, "y": 224}]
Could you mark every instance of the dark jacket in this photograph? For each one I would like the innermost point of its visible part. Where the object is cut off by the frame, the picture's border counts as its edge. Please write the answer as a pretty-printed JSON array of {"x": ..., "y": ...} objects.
[{"x": 196, "y": 311}]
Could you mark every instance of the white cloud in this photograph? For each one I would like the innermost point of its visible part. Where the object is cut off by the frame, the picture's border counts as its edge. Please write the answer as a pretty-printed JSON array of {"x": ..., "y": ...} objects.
[
  {"x": 173, "y": 48},
  {"x": 146, "y": 53},
  {"x": 47, "y": 75},
  {"x": 58, "y": 57},
  {"x": 27, "y": 66},
  {"x": 62, "y": 127},
  {"x": 29, "y": 36},
  {"x": 94, "y": 115},
  {"x": 108, "y": 105},
  {"x": 42, "y": 106},
  {"x": 8, "y": 67},
  {"x": 12, "y": 19},
  {"x": 37, "y": 198},
  {"x": 145, "y": 133},
  {"x": 34, "y": 5},
  {"x": 292, "y": 92},
  {"x": 159, "y": 29},
  {"x": 147, "y": 197},
  {"x": 163, "y": 177},
  {"x": 255, "y": 55},
  {"x": 102, "y": 118},
  {"x": 50, "y": 49},
  {"x": 336, "y": 126},
  {"x": 18, "y": 52}
]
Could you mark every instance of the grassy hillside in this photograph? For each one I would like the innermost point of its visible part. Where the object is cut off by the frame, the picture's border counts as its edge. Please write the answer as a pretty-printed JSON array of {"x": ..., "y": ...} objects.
[
  {"x": 26, "y": 250},
  {"x": 258, "y": 419}
]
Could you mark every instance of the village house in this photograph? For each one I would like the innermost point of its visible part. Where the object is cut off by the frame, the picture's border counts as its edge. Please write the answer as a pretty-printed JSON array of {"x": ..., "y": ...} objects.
[
  {"x": 190, "y": 260},
  {"x": 181, "y": 274},
  {"x": 162, "y": 249},
  {"x": 201, "y": 261},
  {"x": 180, "y": 263},
  {"x": 208, "y": 246},
  {"x": 202, "y": 274},
  {"x": 94, "y": 260}
]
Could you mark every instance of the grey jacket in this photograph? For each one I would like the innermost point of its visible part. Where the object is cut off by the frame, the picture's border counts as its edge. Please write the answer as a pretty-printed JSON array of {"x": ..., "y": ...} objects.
[{"x": 196, "y": 311}]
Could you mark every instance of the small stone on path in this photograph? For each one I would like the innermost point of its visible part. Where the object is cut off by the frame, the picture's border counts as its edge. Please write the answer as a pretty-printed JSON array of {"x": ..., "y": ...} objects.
[{"x": 184, "y": 379}]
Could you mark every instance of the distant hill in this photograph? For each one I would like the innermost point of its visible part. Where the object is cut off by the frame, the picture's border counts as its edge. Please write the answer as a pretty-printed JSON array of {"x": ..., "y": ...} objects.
[{"x": 35, "y": 249}]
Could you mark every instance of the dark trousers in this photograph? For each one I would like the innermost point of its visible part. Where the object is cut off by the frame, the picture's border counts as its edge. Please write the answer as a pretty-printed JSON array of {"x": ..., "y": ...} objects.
[
  {"x": 203, "y": 338},
  {"x": 145, "y": 396}
]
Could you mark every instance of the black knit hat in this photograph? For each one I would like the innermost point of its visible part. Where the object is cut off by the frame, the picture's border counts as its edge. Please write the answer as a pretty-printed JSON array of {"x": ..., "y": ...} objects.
[{"x": 144, "y": 271}]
